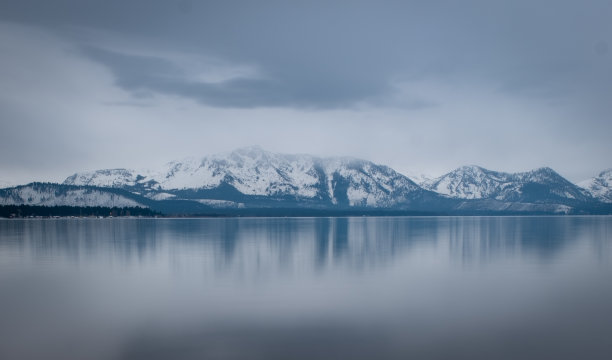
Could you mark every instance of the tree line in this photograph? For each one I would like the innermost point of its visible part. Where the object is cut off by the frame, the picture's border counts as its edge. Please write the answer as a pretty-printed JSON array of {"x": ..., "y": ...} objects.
[{"x": 20, "y": 211}]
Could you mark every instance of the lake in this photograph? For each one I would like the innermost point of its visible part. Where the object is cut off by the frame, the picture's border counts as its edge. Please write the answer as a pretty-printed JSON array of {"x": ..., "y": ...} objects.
[{"x": 307, "y": 288}]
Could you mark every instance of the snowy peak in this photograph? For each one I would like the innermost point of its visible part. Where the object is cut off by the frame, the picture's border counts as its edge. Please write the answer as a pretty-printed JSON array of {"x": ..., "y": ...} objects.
[
  {"x": 472, "y": 169},
  {"x": 542, "y": 174},
  {"x": 539, "y": 185},
  {"x": 546, "y": 185},
  {"x": 468, "y": 182},
  {"x": 606, "y": 173},
  {"x": 600, "y": 187}
]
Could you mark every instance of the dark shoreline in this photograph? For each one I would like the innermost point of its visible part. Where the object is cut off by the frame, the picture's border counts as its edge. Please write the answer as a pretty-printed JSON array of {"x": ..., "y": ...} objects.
[
  {"x": 46, "y": 212},
  {"x": 34, "y": 211}
]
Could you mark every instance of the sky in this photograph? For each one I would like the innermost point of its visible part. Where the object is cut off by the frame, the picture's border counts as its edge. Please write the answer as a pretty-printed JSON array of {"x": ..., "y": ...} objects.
[{"x": 421, "y": 86}]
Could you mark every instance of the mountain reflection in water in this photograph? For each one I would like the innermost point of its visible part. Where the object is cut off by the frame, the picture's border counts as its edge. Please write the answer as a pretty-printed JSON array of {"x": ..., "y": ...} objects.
[{"x": 233, "y": 288}]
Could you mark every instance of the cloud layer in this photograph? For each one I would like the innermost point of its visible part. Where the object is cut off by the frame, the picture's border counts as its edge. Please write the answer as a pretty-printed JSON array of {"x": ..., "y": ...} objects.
[{"x": 419, "y": 85}]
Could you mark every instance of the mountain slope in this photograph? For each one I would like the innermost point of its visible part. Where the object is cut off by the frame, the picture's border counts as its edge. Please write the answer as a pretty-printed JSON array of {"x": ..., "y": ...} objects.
[
  {"x": 46, "y": 194},
  {"x": 542, "y": 185},
  {"x": 251, "y": 174},
  {"x": 600, "y": 187}
]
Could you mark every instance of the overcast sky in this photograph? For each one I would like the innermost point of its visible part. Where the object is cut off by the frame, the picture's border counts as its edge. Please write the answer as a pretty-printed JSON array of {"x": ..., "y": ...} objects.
[{"x": 421, "y": 86}]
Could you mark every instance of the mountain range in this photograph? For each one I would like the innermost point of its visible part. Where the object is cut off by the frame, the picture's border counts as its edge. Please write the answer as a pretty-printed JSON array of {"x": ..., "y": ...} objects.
[{"x": 252, "y": 181}]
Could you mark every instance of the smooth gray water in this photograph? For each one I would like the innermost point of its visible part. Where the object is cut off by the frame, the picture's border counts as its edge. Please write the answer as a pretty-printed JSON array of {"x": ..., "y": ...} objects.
[{"x": 307, "y": 288}]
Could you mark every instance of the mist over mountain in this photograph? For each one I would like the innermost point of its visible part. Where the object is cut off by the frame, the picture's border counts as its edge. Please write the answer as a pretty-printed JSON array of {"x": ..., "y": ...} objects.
[{"x": 254, "y": 172}]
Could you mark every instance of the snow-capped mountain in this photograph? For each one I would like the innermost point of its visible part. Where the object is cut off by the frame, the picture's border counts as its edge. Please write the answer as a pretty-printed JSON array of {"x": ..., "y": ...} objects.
[
  {"x": 253, "y": 172},
  {"x": 251, "y": 181},
  {"x": 44, "y": 194},
  {"x": 542, "y": 185},
  {"x": 600, "y": 187}
]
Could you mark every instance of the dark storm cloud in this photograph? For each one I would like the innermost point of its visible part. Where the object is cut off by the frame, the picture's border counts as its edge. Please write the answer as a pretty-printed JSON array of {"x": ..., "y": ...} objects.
[
  {"x": 333, "y": 54},
  {"x": 148, "y": 74}
]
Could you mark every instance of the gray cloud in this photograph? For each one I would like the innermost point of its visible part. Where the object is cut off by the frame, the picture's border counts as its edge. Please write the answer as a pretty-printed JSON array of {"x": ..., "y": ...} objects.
[
  {"x": 418, "y": 85},
  {"x": 335, "y": 54}
]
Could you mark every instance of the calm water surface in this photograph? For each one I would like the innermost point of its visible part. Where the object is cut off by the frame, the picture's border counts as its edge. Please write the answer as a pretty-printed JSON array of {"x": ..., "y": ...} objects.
[{"x": 307, "y": 288}]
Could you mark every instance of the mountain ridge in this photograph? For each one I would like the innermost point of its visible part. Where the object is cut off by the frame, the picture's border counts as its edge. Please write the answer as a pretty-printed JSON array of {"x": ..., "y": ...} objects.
[
  {"x": 250, "y": 178},
  {"x": 537, "y": 185},
  {"x": 50, "y": 194}
]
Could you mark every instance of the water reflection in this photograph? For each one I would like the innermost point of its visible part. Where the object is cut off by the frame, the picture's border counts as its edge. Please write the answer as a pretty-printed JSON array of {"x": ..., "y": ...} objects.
[
  {"x": 323, "y": 242},
  {"x": 423, "y": 287}
]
